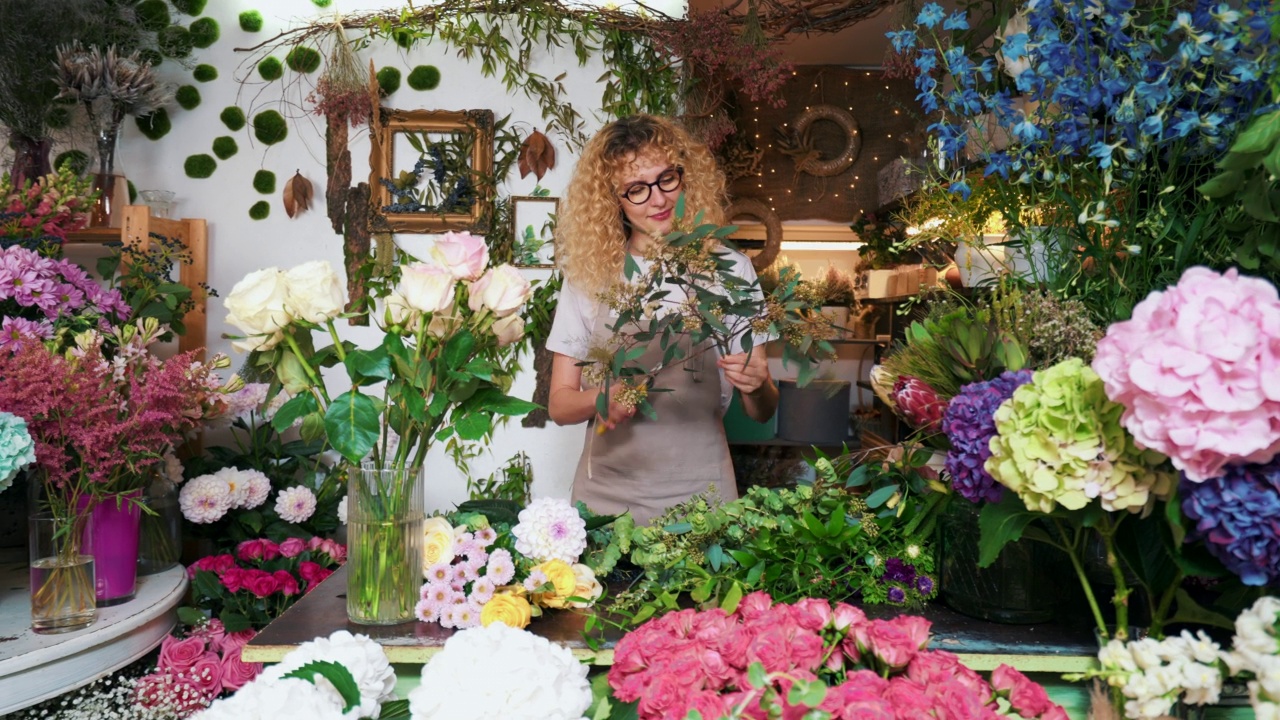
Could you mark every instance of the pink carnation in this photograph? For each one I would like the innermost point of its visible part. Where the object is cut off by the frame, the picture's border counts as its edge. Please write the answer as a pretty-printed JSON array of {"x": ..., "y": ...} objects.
[{"x": 1197, "y": 370}]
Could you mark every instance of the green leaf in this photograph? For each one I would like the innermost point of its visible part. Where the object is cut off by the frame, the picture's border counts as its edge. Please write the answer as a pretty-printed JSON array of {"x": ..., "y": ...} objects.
[
  {"x": 858, "y": 477},
  {"x": 494, "y": 401},
  {"x": 335, "y": 673},
  {"x": 458, "y": 350},
  {"x": 481, "y": 368},
  {"x": 296, "y": 407},
  {"x": 363, "y": 364},
  {"x": 881, "y": 496},
  {"x": 1189, "y": 611},
  {"x": 753, "y": 575},
  {"x": 1256, "y": 199},
  {"x": 756, "y": 675},
  {"x": 398, "y": 710},
  {"x": 351, "y": 423},
  {"x": 731, "y": 598},
  {"x": 474, "y": 426},
  {"x": 233, "y": 621},
  {"x": 715, "y": 557},
  {"x": 679, "y": 528},
  {"x": 191, "y": 616},
  {"x": 1223, "y": 184},
  {"x": 1261, "y": 135},
  {"x": 1000, "y": 524},
  {"x": 814, "y": 693},
  {"x": 703, "y": 591},
  {"x": 629, "y": 266},
  {"x": 312, "y": 427}
]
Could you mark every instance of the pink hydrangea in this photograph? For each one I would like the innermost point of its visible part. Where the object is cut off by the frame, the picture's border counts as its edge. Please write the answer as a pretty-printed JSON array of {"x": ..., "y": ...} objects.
[{"x": 1197, "y": 369}]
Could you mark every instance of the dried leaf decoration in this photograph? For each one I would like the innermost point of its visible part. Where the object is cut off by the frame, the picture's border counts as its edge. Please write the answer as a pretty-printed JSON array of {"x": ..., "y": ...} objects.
[
  {"x": 537, "y": 155},
  {"x": 297, "y": 194}
]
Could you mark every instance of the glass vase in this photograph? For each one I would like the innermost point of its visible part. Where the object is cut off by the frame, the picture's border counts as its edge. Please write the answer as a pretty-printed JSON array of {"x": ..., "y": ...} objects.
[
  {"x": 62, "y": 574},
  {"x": 1018, "y": 588},
  {"x": 111, "y": 186},
  {"x": 385, "y": 516},
  {"x": 160, "y": 527}
]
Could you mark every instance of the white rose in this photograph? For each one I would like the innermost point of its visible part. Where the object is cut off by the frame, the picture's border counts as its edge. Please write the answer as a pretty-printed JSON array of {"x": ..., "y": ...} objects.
[
  {"x": 437, "y": 542},
  {"x": 256, "y": 307},
  {"x": 426, "y": 288},
  {"x": 397, "y": 312},
  {"x": 586, "y": 585},
  {"x": 503, "y": 290},
  {"x": 508, "y": 329},
  {"x": 315, "y": 292}
]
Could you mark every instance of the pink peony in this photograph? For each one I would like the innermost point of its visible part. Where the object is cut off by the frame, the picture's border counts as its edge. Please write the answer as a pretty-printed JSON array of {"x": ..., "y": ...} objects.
[
  {"x": 179, "y": 654},
  {"x": 918, "y": 403},
  {"x": 1197, "y": 369}
]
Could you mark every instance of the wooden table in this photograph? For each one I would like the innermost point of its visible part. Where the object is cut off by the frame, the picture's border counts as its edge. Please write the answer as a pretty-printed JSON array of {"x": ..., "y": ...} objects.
[
  {"x": 980, "y": 645},
  {"x": 37, "y": 667}
]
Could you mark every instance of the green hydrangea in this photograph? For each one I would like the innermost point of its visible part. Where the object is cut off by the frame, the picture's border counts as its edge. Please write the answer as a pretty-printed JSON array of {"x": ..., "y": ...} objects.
[
  {"x": 17, "y": 450},
  {"x": 1059, "y": 442}
]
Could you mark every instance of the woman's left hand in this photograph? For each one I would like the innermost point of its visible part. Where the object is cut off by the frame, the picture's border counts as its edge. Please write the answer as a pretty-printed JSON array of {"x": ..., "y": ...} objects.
[{"x": 746, "y": 374}]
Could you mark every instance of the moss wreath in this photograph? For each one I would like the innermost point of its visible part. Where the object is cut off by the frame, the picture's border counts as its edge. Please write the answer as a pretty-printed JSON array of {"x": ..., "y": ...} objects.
[
  {"x": 772, "y": 229},
  {"x": 818, "y": 167}
]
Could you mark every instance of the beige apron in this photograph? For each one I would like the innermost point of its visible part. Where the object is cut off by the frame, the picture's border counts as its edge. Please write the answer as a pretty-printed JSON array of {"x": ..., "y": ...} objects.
[{"x": 646, "y": 466}]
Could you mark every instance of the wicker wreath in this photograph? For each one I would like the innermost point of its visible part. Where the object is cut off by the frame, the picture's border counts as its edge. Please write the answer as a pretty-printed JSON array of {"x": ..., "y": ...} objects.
[
  {"x": 772, "y": 227},
  {"x": 853, "y": 140}
]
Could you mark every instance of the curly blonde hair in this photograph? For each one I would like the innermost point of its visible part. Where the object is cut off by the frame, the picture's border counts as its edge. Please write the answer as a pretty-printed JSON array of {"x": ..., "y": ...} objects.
[{"x": 591, "y": 235}]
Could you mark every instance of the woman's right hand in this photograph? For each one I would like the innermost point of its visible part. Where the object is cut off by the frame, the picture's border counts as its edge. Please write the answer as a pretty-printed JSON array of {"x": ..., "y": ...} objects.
[{"x": 618, "y": 413}]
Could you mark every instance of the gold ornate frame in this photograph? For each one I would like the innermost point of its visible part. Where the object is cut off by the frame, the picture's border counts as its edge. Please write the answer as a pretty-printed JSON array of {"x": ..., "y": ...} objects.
[{"x": 382, "y": 164}]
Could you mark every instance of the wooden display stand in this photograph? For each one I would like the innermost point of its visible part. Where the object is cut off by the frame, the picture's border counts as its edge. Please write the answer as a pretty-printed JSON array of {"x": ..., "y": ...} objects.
[{"x": 138, "y": 227}]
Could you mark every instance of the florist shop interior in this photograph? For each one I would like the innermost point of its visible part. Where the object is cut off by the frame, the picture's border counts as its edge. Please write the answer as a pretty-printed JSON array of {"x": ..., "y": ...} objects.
[{"x": 726, "y": 359}]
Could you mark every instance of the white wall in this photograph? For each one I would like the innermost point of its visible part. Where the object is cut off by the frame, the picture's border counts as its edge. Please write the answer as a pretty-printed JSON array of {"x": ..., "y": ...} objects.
[{"x": 239, "y": 245}]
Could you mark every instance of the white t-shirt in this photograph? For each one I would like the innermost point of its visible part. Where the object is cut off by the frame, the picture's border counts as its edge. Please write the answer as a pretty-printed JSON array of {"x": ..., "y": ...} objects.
[{"x": 577, "y": 311}]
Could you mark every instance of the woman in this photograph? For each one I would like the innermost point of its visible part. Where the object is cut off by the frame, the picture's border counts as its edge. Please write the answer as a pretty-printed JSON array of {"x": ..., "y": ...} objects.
[{"x": 622, "y": 199}]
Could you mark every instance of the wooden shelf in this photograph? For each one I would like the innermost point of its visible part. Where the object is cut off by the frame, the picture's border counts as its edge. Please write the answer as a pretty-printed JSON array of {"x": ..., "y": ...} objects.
[{"x": 136, "y": 232}]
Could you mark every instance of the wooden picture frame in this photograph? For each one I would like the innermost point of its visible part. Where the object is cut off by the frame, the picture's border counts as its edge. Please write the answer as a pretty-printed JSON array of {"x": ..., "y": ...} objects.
[
  {"x": 533, "y": 223},
  {"x": 405, "y": 130}
]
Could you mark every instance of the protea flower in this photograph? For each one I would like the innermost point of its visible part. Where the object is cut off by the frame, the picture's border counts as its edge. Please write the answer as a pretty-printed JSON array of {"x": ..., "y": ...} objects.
[{"x": 918, "y": 403}]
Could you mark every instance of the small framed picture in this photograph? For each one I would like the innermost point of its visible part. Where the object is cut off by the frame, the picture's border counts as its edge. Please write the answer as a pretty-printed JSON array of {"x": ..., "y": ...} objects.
[{"x": 533, "y": 230}]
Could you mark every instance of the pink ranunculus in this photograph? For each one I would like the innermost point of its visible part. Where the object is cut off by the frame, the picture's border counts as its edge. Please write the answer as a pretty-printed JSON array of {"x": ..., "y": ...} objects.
[
  {"x": 1197, "y": 369},
  {"x": 936, "y": 666},
  {"x": 292, "y": 547},
  {"x": 288, "y": 583},
  {"x": 205, "y": 675},
  {"x": 179, "y": 654},
  {"x": 464, "y": 255},
  {"x": 893, "y": 643},
  {"x": 666, "y": 696},
  {"x": 251, "y": 550},
  {"x": 262, "y": 583},
  {"x": 502, "y": 290},
  {"x": 812, "y": 613},
  {"x": 754, "y": 605},
  {"x": 952, "y": 699},
  {"x": 1028, "y": 698},
  {"x": 845, "y": 616},
  {"x": 710, "y": 704},
  {"x": 235, "y": 672},
  {"x": 909, "y": 698},
  {"x": 859, "y": 696},
  {"x": 918, "y": 403}
]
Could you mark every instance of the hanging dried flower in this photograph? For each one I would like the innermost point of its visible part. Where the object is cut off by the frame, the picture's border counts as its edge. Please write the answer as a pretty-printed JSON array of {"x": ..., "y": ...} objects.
[
  {"x": 341, "y": 93},
  {"x": 297, "y": 195},
  {"x": 537, "y": 155}
]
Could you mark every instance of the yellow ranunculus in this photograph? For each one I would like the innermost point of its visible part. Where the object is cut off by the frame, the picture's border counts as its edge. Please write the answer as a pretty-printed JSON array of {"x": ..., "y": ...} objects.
[
  {"x": 511, "y": 610},
  {"x": 437, "y": 543},
  {"x": 587, "y": 586},
  {"x": 560, "y": 574}
]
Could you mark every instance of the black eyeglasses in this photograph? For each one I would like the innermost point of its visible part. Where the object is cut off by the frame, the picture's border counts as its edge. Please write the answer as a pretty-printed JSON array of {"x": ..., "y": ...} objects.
[{"x": 668, "y": 181}]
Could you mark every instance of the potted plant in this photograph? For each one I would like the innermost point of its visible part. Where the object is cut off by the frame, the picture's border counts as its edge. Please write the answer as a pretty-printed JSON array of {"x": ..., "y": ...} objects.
[{"x": 884, "y": 247}]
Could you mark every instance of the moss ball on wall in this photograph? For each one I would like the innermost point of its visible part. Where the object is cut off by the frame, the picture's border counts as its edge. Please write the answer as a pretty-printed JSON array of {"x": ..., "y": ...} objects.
[
  {"x": 150, "y": 56},
  {"x": 322, "y": 3},
  {"x": 205, "y": 73},
  {"x": 205, "y": 32},
  {"x": 225, "y": 146},
  {"x": 270, "y": 69},
  {"x": 188, "y": 97},
  {"x": 403, "y": 38},
  {"x": 260, "y": 210},
  {"x": 303, "y": 60},
  {"x": 156, "y": 125},
  {"x": 251, "y": 21},
  {"x": 174, "y": 41},
  {"x": 58, "y": 117},
  {"x": 232, "y": 117},
  {"x": 77, "y": 160},
  {"x": 424, "y": 77},
  {"x": 190, "y": 7},
  {"x": 153, "y": 15},
  {"x": 269, "y": 127},
  {"x": 389, "y": 80},
  {"x": 264, "y": 181},
  {"x": 200, "y": 166}
]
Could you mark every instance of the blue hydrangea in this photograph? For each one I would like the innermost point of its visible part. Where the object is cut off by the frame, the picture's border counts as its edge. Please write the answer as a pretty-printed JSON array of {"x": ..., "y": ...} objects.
[
  {"x": 969, "y": 423},
  {"x": 1236, "y": 517},
  {"x": 17, "y": 450}
]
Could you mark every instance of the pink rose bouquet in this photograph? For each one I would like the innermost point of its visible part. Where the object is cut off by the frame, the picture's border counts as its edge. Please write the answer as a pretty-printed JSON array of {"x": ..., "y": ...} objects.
[
  {"x": 196, "y": 668},
  {"x": 1197, "y": 369},
  {"x": 766, "y": 660},
  {"x": 262, "y": 578}
]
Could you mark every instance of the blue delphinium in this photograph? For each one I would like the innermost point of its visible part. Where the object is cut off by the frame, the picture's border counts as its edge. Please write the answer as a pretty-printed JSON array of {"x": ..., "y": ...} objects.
[
  {"x": 1238, "y": 517},
  {"x": 17, "y": 450},
  {"x": 969, "y": 423}
]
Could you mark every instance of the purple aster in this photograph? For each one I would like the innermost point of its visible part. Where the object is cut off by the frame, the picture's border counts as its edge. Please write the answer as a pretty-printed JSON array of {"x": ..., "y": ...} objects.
[
  {"x": 924, "y": 584},
  {"x": 897, "y": 595},
  {"x": 897, "y": 571},
  {"x": 1238, "y": 517},
  {"x": 969, "y": 423}
]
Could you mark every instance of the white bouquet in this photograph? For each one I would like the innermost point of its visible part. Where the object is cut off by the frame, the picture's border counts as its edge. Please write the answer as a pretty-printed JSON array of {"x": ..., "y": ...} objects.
[{"x": 500, "y": 672}]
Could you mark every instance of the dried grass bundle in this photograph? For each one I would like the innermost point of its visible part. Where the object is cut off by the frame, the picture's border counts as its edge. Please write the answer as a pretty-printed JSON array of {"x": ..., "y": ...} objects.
[{"x": 342, "y": 93}]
